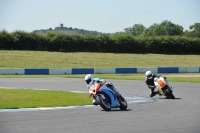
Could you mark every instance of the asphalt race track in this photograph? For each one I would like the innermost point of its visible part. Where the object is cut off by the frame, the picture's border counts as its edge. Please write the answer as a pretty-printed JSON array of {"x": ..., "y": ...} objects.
[{"x": 181, "y": 115}]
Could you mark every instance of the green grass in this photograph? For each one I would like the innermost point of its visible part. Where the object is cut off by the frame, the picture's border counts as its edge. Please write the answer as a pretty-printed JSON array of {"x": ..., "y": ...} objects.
[
  {"x": 15, "y": 98},
  {"x": 45, "y": 59}
]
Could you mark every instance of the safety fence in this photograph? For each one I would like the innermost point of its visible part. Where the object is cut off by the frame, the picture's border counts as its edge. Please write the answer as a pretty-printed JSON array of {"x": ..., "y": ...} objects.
[{"x": 64, "y": 71}]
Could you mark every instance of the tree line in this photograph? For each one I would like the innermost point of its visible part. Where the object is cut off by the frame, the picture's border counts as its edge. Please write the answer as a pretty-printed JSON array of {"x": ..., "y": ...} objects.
[
  {"x": 166, "y": 28},
  {"x": 117, "y": 43},
  {"x": 68, "y": 30}
]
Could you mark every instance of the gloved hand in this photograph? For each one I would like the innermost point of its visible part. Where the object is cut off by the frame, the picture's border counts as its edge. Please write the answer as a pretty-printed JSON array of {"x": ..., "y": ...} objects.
[
  {"x": 109, "y": 84},
  {"x": 102, "y": 81}
]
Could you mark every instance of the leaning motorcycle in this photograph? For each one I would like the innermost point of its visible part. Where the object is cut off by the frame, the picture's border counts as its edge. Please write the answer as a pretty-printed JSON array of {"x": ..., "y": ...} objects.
[
  {"x": 163, "y": 87},
  {"x": 107, "y": 99}
]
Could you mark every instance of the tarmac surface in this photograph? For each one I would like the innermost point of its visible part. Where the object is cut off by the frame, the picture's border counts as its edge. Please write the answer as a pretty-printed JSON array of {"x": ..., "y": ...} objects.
[{"x": 180, "y": 115}]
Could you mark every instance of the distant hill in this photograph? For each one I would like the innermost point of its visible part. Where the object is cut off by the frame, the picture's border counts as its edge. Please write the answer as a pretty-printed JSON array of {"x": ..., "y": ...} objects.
[{"x": 68, "y": 30}]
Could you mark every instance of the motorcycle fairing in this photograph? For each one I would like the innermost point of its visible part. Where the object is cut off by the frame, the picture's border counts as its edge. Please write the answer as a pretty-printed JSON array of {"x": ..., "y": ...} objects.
[
  {"x": 160, "y": 82},
  {"x": 113, "y": 100}
]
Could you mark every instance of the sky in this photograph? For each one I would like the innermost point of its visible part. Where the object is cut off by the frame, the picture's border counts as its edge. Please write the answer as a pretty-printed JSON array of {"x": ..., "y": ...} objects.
[{"x": 107, "y": 16}]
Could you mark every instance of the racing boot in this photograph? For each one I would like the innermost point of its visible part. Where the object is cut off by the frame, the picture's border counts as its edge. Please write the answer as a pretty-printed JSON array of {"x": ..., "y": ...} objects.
[
  {"x": 95, "y": 102},
  {"x": 153, "y": 94}
]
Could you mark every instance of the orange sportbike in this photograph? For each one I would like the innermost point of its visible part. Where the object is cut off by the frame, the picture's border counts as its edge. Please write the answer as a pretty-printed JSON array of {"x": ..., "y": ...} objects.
[{"x": 163, "y": 87}]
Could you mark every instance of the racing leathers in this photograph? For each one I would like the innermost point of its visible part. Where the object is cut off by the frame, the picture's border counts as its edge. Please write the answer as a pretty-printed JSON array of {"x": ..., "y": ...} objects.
[{"x": 151, "y": 85}]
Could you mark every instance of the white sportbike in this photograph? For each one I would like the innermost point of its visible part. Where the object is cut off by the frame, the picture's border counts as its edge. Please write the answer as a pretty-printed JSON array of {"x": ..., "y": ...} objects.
[{"x": 163, "y": 87}]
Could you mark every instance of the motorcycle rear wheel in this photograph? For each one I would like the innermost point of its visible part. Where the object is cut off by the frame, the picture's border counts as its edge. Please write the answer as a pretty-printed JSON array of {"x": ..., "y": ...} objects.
[{"x": 123, "y": 103}]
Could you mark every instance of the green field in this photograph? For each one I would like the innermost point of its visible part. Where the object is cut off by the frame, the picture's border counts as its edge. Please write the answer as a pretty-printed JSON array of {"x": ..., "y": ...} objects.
[{"x": 44, "y": 59}]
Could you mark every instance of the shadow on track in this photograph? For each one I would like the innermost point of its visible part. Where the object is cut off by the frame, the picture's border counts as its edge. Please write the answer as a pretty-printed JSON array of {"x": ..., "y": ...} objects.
[
  {"x": 118, "y": 110},
  {"x": 169, "y": 99}
]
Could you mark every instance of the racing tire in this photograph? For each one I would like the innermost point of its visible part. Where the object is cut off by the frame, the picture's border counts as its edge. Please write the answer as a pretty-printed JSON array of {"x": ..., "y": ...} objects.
[
  {"x": 169, "y": 94},
  {"x": 104, "y": 103},
  {"x": 123, "y": 103}
]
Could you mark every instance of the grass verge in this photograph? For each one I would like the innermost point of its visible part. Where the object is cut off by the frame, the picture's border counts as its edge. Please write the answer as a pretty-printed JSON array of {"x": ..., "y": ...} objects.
[
  {"x": 18, "y": 98},
  {"x": 177, "y": 77}
]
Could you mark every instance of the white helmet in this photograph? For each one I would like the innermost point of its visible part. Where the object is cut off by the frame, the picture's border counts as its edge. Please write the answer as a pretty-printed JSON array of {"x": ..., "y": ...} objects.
[
  {"x": 149, "y": 74},
  {"x": 88, "y": 78}
]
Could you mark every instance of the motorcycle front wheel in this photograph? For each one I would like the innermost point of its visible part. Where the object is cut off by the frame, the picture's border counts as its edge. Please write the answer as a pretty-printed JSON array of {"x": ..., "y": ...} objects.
[
  {"x": 104, "y": 103},
  {"x": 169, "y": 94}
]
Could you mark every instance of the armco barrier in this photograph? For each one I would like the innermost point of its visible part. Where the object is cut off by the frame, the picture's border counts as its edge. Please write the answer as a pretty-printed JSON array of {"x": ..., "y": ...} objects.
[
  {"x": 60, "y": 71},
  {"x": 29, "y": 71},
  {"x": 125, "y": 70},
  {"x": 82, "y": 70},
  {"x": 168, "y": 70}
]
